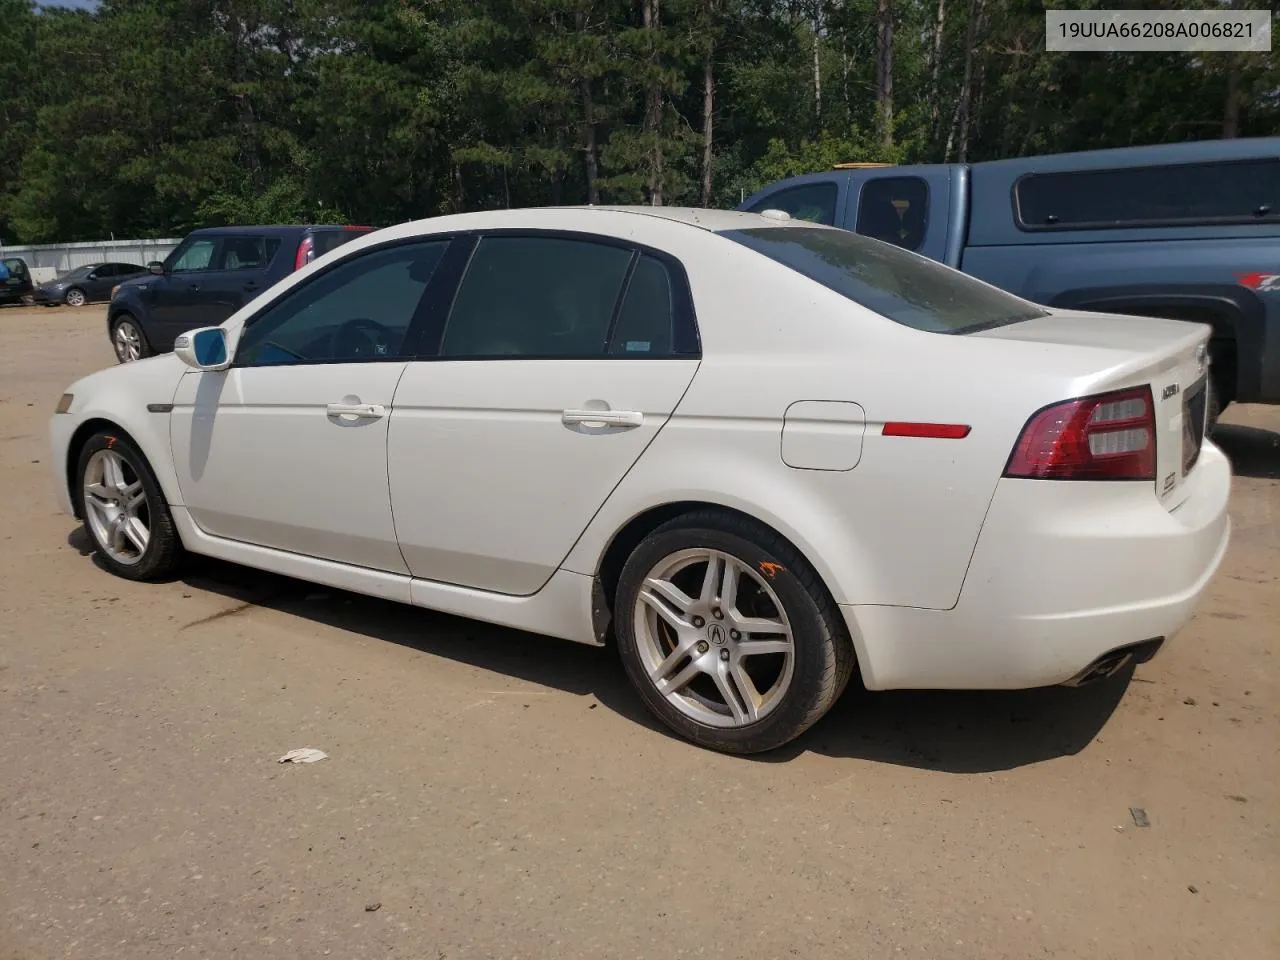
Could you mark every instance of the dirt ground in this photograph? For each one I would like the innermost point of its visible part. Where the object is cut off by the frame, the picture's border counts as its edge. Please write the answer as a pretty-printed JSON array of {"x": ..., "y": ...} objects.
[{"x": 491, "y": 794}]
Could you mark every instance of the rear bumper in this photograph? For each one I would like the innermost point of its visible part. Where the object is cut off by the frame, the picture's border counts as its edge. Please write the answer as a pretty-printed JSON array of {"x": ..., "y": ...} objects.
[{"x": 1062, "y": 574}]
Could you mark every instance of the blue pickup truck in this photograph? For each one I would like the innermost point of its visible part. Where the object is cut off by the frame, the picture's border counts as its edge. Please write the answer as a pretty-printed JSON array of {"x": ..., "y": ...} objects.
[{"x": 1188, "y": 231}]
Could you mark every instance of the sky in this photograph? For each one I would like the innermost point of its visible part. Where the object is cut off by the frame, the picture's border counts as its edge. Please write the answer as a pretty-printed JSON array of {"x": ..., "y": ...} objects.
[{"x": 75, "y": 4}]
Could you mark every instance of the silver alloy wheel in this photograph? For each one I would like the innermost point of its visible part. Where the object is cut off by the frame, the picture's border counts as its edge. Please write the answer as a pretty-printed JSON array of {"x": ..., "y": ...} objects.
[
  {"x": 75, "y": 298},
  {"x": 115, "y": 504},
  {"x": 714, "y": 663},
  {"x": 127, "y": 341}
]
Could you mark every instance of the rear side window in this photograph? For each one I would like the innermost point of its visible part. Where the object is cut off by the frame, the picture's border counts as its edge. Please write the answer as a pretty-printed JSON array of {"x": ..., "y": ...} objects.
[
  {"x": 326, "y": 240},
  {"x": 906, "y": 288},
  {"x": 815, "y": 202},
  {"x": 895, "y": 210},
  {"x": 1188, "y": 193},
  {"x": 247, "y": 253},
  {"x": 536, "y": 297},
  {"x": 646, "y": 322}
]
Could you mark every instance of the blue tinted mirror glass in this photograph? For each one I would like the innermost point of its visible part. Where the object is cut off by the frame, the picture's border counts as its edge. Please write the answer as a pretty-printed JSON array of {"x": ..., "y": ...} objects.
[{"x": 209, "y": 347}]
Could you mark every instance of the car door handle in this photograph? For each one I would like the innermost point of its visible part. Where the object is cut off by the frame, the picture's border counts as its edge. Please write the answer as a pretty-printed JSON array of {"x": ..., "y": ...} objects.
[
  {"x": 360, "y": 411},
  {"x": 610, "y": 418},
  {"x": 251, "y": 285}
]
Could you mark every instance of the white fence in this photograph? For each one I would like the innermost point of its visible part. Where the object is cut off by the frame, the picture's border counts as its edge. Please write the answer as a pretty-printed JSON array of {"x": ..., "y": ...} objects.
[{"x": 49, "y": 260}]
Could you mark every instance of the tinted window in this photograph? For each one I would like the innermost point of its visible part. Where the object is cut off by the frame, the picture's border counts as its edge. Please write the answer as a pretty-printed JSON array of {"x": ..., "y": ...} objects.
[
  {"x": 815, "y": 202},
  {"x": 326, "y": 240},
  {"x": 536, "y": 297},
  {"x": 895, "y": 210},
  {"x": 357, "y": 311},
  {"x": 16, "y": 267},
  {"x": 105, "y": 272},
  {"x": 193, "y": 255},
  {"x": 247, "y": 253},
  {"x": 1186, "y": 193},
  {"x": 646, "y": 323},
  {"x": 79, "y": 273},
  {"x": 904, "y": 287},
  {"x": 128, "y": 269}
]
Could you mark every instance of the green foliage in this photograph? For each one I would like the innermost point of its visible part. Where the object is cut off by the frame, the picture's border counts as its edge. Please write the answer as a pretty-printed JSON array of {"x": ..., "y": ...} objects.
[{"x": 150, "y": 117}]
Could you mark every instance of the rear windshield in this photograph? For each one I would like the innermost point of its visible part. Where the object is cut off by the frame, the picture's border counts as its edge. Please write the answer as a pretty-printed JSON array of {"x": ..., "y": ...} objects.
[
  {"x": 326, "y": 240},
  {"x": 906, "y": 288}
]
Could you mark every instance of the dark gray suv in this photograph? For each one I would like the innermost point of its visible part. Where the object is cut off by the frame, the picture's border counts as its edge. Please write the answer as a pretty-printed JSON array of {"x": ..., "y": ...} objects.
[{"x": 208, "y": 277}]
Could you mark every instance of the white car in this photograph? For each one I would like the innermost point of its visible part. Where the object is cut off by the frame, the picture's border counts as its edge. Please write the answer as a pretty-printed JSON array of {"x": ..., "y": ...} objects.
[{"x": 767, "y": 453}]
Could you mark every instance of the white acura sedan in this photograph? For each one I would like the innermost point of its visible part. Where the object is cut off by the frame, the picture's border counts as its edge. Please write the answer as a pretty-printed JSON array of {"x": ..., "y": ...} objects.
[{"x": 765, "y": 453}]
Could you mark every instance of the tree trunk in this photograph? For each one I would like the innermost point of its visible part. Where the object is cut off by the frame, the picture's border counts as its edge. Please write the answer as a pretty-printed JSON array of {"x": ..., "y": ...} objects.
[
  {"x": 590, "y": 149},
  {"x": 973, "y": 115},
  {"x": 935, "y": 69},
  {"x": 651, "y": 10},
  {"x": 963, "y": 105},
  {"x": 708, "y": 117},
  {"x": 1231, "y": 111},
  {"x": 884, "y": 72},
  {"x": 817, "y": 70}
]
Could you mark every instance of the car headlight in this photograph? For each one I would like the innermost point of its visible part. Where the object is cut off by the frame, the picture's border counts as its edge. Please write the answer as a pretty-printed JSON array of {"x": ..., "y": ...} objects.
[{"x": 64, "y": 403}]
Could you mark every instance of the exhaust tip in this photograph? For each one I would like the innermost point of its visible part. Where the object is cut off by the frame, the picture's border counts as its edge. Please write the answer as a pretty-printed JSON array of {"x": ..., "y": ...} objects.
[{"x": 1112, "y": 662}]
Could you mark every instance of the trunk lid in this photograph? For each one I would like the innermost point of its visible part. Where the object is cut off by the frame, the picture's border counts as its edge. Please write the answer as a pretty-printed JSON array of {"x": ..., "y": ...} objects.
[{"x": 1171, "y": 356}]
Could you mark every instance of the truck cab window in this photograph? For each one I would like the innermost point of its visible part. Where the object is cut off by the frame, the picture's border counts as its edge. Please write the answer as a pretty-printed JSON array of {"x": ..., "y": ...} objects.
[
  {"x": 895, "y": 210},
  {"x": 815, "y": 202}
]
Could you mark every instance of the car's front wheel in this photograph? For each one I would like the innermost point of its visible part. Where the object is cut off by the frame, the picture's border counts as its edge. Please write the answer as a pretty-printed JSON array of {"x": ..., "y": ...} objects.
[
  {"x": 127, "y": 339},
  {"x": 728, "y": 635},
  {"x": 125, "y": 514},
  {"x": 75, "y": 297}
]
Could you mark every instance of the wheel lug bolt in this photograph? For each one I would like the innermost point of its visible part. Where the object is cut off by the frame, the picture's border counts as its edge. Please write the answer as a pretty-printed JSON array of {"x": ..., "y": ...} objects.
[
  {"x": 724, "y": 654},
  {"x": 718, "y": 614},
  {"x": 698, "y": 621},
  {"x": 734, "y": 635},
  {"x": 702, "y": 646}
]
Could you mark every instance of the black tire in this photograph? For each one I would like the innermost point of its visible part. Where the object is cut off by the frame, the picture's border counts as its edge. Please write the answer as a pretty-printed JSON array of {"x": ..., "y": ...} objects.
[
  {"x": 73, "y": 294},
  {"x": 1213, "y": 405},
  {"x": 144, "y": 348},
  {"x": 163, "y": 551},
  {"x": 823, "y": 652}
]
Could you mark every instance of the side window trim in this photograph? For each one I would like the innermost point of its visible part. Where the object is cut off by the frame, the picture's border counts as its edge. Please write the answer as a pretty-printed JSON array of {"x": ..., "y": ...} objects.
[
  {"x": 407, "y": 351},
  {"x": 427, "y": 338}
]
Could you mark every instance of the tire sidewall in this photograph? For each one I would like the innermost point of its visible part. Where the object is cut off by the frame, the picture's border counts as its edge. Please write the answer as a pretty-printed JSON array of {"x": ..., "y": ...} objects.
[
  {"x": 67, "y": 298},
  {"x": 144, "y": 348},
  {"x": 152, "y": 557},
  {"x": 811, "y": 637}
]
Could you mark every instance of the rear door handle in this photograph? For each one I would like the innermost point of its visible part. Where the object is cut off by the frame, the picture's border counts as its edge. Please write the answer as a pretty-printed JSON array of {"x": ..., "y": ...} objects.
[
  {"x": 356, "y": 411},
  {"x": 609, "y": 418}
]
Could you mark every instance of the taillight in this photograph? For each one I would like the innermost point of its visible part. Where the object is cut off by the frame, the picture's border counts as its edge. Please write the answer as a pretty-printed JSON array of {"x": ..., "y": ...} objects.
[
  {"x": 306, "y": 252},
  {"x": 1110, "y": 436}
]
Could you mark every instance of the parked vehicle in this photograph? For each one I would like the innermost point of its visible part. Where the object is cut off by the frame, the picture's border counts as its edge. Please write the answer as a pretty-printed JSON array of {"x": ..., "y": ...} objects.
[
  {"x": 1189, "y": 231},
  {"x": 208, "y": 277},
  {"x": 769, "y": 453},
  {"x": 15, "y": 281},
  {"x": 87, "y": 284}
]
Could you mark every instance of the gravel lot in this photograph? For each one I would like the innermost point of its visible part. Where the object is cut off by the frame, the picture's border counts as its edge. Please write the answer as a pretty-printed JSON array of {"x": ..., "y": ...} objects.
[{"x": 493, "y": 794}]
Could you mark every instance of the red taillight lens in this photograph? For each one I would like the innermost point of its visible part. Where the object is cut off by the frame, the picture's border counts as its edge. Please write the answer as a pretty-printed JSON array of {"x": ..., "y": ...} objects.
[
  {"x": 1111, "y": 436},
  {"x": 306, "y": 252}
]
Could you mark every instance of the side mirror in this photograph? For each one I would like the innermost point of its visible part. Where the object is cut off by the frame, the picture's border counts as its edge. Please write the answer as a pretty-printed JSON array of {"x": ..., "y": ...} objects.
[
  {"x": 156, "y": 267},
  {"x": 204, "y": 349}
]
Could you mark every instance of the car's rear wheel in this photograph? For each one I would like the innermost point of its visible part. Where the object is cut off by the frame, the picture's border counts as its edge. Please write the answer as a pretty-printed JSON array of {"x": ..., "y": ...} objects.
[
  {"x": 125, "y": 514},
  {"x": 127, "y": 339},
  {"x": 728, "y": 635},
  {"x": 75, "y": 297}
]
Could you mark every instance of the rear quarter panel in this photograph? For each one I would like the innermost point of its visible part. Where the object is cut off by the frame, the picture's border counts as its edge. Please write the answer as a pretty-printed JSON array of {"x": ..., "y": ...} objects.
[{"x": 900, "y": 527}]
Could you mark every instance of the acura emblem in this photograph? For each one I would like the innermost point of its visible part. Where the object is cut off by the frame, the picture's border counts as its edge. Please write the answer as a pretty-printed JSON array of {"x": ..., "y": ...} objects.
[{"x": 716, "y": 634}]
